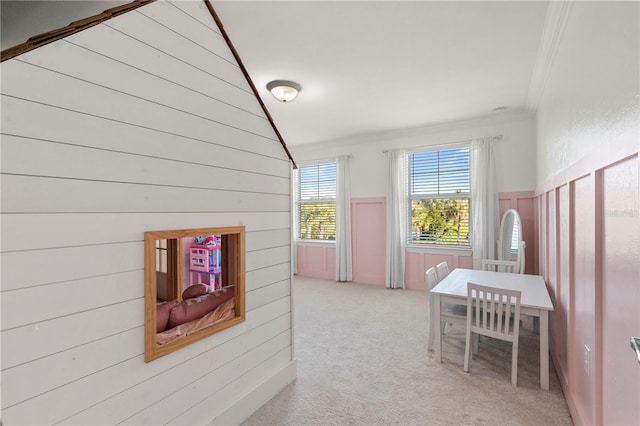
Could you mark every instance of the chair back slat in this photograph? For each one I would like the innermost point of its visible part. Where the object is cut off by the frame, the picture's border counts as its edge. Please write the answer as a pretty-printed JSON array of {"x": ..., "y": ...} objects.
[
  {"x": 494, "y": 310},
  {"x": 499, "y": 312},
  {"x": 488, "y": 307},
  {"x": 432, "y": 278},
  {"x": 500, "y": 265},
  {"x": 442, "y": 269}
]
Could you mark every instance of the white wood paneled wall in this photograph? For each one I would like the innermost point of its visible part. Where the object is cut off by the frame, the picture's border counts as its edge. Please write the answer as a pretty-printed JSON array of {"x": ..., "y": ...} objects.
[{"x": 143, "y": 122}]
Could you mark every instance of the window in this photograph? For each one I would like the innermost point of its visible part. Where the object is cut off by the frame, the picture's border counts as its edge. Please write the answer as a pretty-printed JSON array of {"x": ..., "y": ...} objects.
[
  {"x": 316, "y": 202},
  {"x": 172, "y": 319},
  {"x": 439, "y": 197}
]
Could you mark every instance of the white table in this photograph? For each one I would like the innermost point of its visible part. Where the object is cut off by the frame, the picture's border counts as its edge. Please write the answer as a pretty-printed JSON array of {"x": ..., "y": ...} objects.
[{"x": 535, "y": 301}]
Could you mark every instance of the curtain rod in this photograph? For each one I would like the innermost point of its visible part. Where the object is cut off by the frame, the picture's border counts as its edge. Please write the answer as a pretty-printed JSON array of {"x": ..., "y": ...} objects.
[
  {"x": 324, "y": 160},
  {"x": 497, "y": 137}
]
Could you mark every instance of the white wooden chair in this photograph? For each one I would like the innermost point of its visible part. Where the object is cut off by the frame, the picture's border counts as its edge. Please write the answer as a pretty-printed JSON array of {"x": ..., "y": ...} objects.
[
  {"x": 442, "y": 269},
  {"x": 432, "y": 278},
  {"x": 494, "y": 313},
  {"x": 501, "y": 265},
  {"x": 514, "y": 267},
  {"x": 449, "y": 313}
]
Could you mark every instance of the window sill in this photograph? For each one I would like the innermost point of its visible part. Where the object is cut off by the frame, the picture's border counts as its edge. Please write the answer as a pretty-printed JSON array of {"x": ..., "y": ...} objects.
[
  {"x": 450, "y": 251},
  {"x": 316, "y": 243}
]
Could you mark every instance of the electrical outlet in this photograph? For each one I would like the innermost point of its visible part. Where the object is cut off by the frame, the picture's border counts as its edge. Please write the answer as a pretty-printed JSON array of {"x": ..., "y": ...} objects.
[{"x": 587, "y": 359}]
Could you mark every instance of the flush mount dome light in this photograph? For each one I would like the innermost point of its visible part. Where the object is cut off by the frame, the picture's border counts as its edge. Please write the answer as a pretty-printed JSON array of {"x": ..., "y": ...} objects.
[{"x": 284, "y": 90}]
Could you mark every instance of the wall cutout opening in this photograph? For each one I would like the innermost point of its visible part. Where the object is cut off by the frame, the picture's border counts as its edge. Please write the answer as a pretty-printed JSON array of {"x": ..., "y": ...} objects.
[{"x": 194, "y": 286}]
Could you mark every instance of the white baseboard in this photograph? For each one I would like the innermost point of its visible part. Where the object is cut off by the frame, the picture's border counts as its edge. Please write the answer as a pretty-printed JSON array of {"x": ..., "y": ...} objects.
[{"x": 247, "y": 405}]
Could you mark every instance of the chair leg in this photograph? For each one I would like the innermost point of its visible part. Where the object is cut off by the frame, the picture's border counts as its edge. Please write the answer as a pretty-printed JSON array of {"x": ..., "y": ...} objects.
[
  {"x": 476, "y": 340},
  {"x": 467, "y": 351},
  {"x": 431, "y": 326},
  {"x": 514, "y": 364}
]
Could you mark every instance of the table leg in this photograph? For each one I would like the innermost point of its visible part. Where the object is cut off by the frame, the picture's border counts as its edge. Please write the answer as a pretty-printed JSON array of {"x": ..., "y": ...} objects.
[
  {"x": 430, "y": 341},
  {"x": 544, "y": 349},
  {"x": 435, "y": 327}
]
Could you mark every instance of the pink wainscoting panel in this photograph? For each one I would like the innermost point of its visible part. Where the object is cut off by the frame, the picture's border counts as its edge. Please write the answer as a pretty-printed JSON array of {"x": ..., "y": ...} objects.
[
  {"x": 465, "y": 262},
  {"x": 542, "y": 242},
  {"x": 563, "y": 285},
  {"x": 368, "y": 239},
  {"x": 316, "y": 261},
  {"x": 552, "y": 279},
  {"x": 414, "y": 271},
  {"x": 416, "y": 265},
  {"x": 588, "y": 224},
  {"x": 620, "y": 294},
  {"x": 582, "y": 330}
]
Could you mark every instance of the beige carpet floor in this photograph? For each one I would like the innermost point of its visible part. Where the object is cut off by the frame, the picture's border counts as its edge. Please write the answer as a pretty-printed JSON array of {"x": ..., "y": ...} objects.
[{"x": 363, "y": 360}]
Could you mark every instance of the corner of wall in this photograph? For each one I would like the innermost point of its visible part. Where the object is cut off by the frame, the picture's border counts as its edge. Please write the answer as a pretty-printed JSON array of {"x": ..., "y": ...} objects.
[{"x": 260, "y": 395}]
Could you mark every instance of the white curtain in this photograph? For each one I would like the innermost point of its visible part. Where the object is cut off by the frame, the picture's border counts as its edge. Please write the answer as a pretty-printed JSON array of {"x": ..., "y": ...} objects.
[
  {"x": 343, "y": 220},
  {"x": 396, "y": 218},
  {"x": 484, "y": 201},
  {"x": 294, "y": 225}
]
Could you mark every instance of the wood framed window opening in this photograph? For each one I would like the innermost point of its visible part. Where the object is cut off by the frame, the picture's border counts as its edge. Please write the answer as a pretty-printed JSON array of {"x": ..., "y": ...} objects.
[{"x": 233, "y": 274}]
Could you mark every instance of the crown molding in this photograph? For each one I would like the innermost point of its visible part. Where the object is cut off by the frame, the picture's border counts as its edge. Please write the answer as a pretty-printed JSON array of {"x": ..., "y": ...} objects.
[
  {"x": 554, "y": 26},
  {"x": 387, "y": 135}
]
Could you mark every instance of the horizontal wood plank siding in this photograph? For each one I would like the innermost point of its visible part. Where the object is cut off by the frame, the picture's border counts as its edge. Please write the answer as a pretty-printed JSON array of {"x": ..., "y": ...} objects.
[
  {"x": 17, "y": 119},
  {"x": 97, "y": 165},
  {"x": 83, "y": 64},
  {"x": 33, "y": 268},
  {"x": 206, "y": 34},
  {"x": 80, "y": 95},
  {"x": 28, "y": 194},
  {"x": 143, "y": 122},
  {"x": 52, "y": 301},
  {"x": 32, "y": 231},
  {"x": 132, "y": 395}
]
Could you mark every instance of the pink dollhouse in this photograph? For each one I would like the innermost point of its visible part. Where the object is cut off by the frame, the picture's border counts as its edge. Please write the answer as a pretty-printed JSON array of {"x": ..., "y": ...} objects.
[{"x": 205, "y": 261}]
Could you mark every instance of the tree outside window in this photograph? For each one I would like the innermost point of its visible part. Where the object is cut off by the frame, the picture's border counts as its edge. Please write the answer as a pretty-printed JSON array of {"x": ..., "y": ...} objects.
[
  {"x": 316, "y": 202},
  {"x": 439, "y": 197}
]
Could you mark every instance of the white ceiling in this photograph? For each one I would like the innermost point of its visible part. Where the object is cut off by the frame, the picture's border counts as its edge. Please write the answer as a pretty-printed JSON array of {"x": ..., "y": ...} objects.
[
  {"x": 365, "y": 66},
  {"x": 372, "y": 66}
]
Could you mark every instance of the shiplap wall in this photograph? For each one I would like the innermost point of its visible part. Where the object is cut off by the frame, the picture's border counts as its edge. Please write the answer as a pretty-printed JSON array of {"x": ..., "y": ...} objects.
[{"x": 144, "y": 122}]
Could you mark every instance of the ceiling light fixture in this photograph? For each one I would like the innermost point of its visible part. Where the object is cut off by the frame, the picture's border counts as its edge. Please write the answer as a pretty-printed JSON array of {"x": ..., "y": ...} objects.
[{"x": 284, "y": 90}]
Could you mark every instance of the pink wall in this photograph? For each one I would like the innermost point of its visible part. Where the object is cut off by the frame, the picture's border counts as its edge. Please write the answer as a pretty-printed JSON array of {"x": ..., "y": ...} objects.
[
  {"x": 582, "y": 230},
  {"x": 417, "y": 263},
  {"x": 368, "y": 236},
  {"x": 589, "y": 254},
  {"x": 619, "y": 292},
  {"x": 316, "y": 261},
  {"x": 582, "y": 331},
  {"x": 563, "y": 262}
]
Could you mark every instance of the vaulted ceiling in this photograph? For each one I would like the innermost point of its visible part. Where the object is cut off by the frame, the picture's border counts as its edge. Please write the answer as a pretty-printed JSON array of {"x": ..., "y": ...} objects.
[
  {"x": 373, "y": 66},
  {"x": 365, "y": 66}
]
